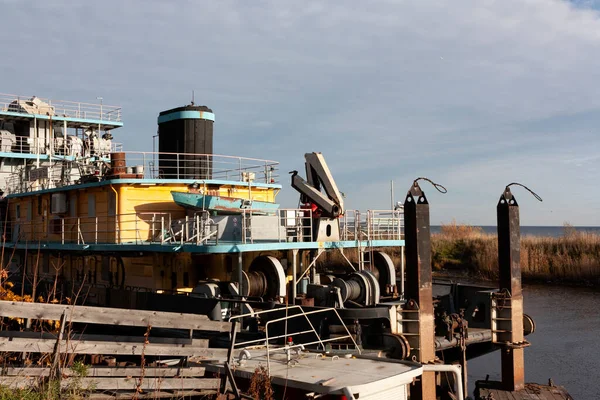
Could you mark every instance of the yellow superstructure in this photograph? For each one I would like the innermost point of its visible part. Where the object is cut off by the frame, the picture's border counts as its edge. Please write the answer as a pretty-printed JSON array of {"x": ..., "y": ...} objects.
[{"x": 110, "y": 212}]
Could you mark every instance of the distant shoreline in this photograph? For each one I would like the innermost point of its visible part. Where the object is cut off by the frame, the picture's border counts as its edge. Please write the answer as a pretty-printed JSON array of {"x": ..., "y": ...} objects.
[
  {"x": 542, "y": 231},
  {"x": 571, "y": 257}
]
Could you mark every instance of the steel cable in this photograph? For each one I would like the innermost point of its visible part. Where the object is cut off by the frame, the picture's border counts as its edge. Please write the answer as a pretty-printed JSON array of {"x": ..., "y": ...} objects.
[
  {"x": 526, "y": 188},
  {"x": 439, "y": 187}
]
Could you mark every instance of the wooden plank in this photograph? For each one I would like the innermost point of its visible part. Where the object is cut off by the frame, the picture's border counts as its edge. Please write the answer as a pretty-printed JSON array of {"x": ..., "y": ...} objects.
[
  {"x": 196, "y": 348},
  {"x": 100, "y": 338},
  {"x": 110, "y": 371},
  {"x": 529, "y": 393},
  {"x": 147, "y": 383},
  {"x": 120, "y": 383},
  {"x": 111, "y": 316},
  {"x": 178, "y": 394}
]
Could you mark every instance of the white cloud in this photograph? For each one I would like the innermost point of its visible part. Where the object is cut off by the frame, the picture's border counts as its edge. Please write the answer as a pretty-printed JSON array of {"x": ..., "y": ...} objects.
[{"x": 474, "y": 93}]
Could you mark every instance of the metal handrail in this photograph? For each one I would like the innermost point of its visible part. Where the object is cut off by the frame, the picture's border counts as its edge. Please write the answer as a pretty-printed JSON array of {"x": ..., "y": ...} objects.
[
  {"x": 287, "y": 334},
  {"x": 300, "y": 220},
  {"x": 121, "y": 229},
  {"x": 62, "y": 108},
  {"x": 148, "y": 165}
]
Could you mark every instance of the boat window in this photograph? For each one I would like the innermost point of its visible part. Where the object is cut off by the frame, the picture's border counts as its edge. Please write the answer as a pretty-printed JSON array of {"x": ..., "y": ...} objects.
[
  {"x": 18, "y": 211},
  {"x": 91, "y": 205},
  {"x": 28, "y": 211}
]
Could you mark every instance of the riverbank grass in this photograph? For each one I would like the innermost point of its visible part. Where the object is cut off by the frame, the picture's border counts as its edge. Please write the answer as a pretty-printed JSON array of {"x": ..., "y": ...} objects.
[{"x": 573, "y": 257}]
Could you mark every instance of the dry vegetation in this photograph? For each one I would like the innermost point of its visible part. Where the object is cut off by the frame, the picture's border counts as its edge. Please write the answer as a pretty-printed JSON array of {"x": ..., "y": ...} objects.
[{"x": 573, "y": 257}]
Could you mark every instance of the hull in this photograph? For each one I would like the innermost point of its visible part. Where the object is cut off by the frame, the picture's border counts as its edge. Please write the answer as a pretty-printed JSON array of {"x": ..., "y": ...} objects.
[{"x": 221, "y": 204}]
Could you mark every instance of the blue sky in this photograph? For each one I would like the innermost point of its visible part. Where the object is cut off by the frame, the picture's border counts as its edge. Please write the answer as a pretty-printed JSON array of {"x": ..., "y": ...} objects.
[{"x": 473, "y": 94}]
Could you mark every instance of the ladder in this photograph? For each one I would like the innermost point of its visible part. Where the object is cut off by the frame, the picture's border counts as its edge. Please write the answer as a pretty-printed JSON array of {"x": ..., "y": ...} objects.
[{"x": 365, "y": 253}]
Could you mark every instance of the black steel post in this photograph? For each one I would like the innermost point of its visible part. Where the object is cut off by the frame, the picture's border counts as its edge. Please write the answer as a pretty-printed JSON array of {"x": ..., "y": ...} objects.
[
  {"x": 509, "y": 263},
  {"x": 418, "y": 287}
]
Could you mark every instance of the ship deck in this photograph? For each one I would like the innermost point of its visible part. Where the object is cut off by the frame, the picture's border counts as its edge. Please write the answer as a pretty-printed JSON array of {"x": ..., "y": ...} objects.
[
  {"x": 327, "y": 375},
  {"x": 221, "y": 248}
]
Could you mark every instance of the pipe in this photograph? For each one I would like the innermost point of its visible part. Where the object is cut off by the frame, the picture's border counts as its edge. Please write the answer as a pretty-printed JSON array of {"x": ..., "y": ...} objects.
[
  {"x": 294, "y": 272},
  {"x": 455, "y": 369},
  {"x": 348, "y": 393},
  {"x": 117, "y": 230}
]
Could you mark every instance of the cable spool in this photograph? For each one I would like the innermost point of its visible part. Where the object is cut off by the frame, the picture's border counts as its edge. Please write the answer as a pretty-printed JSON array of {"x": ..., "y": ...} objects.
[
  {"x": 384, "y": 271},
  {"x": 265, "y": 278},
  {"x": 354, "y": 289},
  {"x": 360, "y": 287},
  {"x": 254, "y": 284}
]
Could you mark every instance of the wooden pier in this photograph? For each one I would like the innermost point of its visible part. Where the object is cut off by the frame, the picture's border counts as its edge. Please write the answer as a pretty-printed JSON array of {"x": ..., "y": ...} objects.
[{"x": 491, "y": 390}]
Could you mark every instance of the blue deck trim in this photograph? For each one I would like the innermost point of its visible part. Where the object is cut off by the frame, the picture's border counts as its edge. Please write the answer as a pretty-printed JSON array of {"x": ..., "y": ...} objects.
[
  {"x": 186, "y": 115},
  {"x": 143, "y": 182},
  {"x": 222, "y": 248},
  {"x": 27, "y": 156},
  {"x": 44, "y": 157},
  {"x": 62, "y": 119}
]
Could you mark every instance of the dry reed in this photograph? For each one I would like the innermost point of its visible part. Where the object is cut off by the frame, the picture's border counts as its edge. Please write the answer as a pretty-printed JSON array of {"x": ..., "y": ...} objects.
[{"x": 573, "y": 257}]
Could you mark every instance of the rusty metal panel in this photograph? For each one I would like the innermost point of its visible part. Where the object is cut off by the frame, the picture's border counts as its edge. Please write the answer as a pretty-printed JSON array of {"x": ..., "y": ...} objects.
[
  {"x": 511, "y": 336},
  {"x": 418, "y": 287}
]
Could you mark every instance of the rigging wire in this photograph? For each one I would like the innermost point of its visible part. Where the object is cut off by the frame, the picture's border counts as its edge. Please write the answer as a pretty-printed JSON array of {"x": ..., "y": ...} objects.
[
  {"x": 439, "y": 187},
  {"x": 526, "y": 188}
]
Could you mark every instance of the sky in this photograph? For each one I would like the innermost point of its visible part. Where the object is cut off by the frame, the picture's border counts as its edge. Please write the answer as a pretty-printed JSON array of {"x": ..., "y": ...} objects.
[{"x": 473, "y": 94}]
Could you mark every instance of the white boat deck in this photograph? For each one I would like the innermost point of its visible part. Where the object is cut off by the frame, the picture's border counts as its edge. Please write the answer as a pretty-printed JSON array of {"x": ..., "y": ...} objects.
[{"x": 312, "y": 372}]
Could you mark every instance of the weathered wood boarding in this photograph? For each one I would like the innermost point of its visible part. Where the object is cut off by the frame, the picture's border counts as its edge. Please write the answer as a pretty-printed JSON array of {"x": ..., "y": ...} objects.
[
  {"x": 161, "y": 381},
  {"x": 111, "y": 316}
]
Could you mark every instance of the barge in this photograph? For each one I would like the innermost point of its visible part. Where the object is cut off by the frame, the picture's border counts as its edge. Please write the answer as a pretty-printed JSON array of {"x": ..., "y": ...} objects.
[{"x": 189, "y": 230}]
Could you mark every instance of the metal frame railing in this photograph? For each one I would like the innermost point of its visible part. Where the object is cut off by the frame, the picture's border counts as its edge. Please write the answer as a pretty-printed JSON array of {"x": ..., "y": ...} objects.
[
  {"x": 256, "y": 343},
  {"x": 372, "y": 225},
  {"x": 57, "y": 146},
  {"x": 62, "y": 108},
  {"x": 171, "y": 228},
  {"x": 161, "y": 166},
  {"x": 130, "y": 228},
  {"x": 385, "y": 224},
  {"x": 297, "y": 225}
]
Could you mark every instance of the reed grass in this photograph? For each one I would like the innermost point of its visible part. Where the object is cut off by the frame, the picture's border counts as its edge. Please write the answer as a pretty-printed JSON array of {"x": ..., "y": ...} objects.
[{"x": 573, "y": 257}]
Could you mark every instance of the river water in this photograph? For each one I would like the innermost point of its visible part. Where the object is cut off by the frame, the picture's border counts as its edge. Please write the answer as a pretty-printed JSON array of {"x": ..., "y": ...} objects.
[{"x": 565, "y": 345}]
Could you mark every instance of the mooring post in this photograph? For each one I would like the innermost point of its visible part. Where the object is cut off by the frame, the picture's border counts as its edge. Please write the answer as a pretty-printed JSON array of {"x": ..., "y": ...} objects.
[
  {"x": 509, "y": 263},
  {"x": 418, "y": 284}
]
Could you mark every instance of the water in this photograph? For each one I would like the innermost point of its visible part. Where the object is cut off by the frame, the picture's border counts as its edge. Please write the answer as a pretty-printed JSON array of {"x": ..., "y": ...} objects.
[
  {"x": 565, "y": 345},
  {"x": 553, "y": 231}
]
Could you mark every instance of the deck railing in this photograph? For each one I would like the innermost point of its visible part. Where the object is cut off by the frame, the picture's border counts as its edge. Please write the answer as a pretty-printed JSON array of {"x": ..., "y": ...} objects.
[
  {"x": 165, "y": 228},
  {"x": 59, "y": 108},
  {"x": 203, "y": 166},
  {"x": 296, "y": 330},
  {"x": 294, "y": 225},
  {"x": 60, "y": 146},
  {"x": 173, "y": 228},
  {"x": 149, "y": 165},
  {"x": 372, "y": 225}
]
